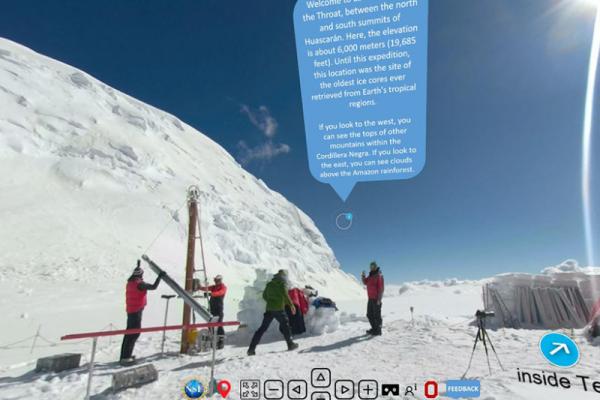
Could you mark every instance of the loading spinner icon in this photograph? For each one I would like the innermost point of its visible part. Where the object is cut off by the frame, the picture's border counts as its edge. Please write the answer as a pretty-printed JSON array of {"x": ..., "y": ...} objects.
[{"x": 344, "y": 221}]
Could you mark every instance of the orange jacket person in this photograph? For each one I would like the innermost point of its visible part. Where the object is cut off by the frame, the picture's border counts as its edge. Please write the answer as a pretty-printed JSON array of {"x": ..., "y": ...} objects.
[{"x": 217, "y": 306}]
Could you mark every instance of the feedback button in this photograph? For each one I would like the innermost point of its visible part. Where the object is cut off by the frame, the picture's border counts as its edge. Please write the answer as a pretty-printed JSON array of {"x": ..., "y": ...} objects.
[{"x": 465, "y": 389}]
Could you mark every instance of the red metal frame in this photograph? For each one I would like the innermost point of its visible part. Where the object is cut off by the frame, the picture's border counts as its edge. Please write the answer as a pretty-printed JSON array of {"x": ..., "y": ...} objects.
[{"x": 146, "y": 330}]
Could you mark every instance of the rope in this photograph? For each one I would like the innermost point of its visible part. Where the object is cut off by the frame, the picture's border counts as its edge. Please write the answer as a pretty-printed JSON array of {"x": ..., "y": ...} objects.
[
  {"x": 460, "y": 323},
  {"x": 164, "y": 227},
  {"x": 50, "y": 343},
  {"x": 7, "y": 346}
]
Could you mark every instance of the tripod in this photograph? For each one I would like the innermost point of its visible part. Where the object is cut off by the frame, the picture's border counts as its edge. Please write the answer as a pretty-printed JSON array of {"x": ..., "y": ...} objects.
[{"x": 483, "y": 336}]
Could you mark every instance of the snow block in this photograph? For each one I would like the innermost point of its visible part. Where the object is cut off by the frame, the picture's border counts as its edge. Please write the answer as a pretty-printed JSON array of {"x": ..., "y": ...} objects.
[
  {"x": 134, "y": 377},
  {"x": 561, "y": 297},
  {"x": 58, "y": 363}
]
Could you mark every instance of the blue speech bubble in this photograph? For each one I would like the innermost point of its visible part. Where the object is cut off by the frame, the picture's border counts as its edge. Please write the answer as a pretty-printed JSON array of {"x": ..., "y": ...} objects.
[{"x": 363, "y": 77}]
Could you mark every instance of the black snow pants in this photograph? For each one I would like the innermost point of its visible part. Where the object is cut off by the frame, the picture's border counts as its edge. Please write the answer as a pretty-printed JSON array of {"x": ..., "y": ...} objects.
[
  {"x": 297, "y": 325},
  {"x": 217, "y": 310},
  {"x": 284, "y": 327},
  {"x": 374, "y": 315},
  {"x": 134, "y": 321}
]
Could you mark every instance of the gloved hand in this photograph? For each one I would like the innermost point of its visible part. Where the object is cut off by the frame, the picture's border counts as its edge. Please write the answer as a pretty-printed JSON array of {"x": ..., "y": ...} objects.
[{"x": 162, "y": 274}]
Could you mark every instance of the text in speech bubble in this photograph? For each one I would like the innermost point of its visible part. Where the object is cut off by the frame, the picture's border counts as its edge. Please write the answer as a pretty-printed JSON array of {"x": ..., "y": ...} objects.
[{"x": 363, "y": 76}]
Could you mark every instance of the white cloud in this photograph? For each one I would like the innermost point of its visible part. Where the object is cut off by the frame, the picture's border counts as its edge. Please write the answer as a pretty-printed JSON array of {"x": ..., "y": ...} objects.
[
  {"x": 263, "y": 152},
  {"x": 262, "y": 119}
]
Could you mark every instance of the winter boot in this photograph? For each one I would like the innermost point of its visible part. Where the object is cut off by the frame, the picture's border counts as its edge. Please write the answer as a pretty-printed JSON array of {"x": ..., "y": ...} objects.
[
  {"x": 292, "y": 346},
  {"x": 125, "y": 362},
  {"x": 251, "y": 352}
]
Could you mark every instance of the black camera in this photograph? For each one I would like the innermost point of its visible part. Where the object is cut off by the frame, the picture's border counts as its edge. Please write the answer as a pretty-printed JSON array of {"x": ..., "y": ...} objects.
[{"x": 481, "y": 314}]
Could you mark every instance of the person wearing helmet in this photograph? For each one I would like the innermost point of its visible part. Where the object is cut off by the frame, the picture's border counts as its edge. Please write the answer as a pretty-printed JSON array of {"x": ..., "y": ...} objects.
[
  {"x": 135, "y": 301},
  {"x": 217, "y": 305}
]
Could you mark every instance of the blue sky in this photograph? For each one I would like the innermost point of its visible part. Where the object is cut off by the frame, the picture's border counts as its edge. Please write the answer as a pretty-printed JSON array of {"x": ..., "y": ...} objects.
[{"x": 501, "y": 188}]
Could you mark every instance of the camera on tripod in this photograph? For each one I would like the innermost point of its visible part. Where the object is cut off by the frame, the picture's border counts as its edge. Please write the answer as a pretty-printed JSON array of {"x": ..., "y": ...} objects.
[
  {"x": 483, "y": 337},
  {"x": 482, "y": 314}
]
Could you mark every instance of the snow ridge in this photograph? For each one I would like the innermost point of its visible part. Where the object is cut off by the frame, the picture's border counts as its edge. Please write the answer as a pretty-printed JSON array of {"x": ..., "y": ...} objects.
[{"x": 90, "y": 175}]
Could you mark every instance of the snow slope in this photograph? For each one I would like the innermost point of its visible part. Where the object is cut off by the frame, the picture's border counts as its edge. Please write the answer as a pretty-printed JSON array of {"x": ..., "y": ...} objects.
[
  {"x": 89, "y": 178},
  {"x": 436, "y": 345}
]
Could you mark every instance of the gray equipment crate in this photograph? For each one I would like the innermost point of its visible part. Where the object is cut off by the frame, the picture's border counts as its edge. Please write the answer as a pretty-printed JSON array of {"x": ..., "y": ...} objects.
[
  {"x": 58, "y": 363},
  {"x": 134, "y": 377}
]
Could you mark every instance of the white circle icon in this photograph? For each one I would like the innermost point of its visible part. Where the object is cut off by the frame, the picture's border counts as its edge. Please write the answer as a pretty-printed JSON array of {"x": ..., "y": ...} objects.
[{"x": 344, "y": 221}]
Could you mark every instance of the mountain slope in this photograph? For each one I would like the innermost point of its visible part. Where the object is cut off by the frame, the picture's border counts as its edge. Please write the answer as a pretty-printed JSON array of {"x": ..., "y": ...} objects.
[{"x": 90, "y": 176}]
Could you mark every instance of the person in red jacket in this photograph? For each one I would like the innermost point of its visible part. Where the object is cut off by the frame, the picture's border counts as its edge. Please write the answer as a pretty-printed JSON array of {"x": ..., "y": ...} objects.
[
  {"x": 135, "y": 301},
  {"x": 297, "y": 320},
  {"x": 375, "y": 287},
  {"x": 216, "y": 303}
]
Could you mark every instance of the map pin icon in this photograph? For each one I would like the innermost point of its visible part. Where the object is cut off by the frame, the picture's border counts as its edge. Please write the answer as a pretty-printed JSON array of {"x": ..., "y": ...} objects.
[{"x": 223, "y": 387}]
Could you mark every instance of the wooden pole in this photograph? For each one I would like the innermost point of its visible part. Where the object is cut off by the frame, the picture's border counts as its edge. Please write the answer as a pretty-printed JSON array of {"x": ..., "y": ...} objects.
[{"x": 190, "y": 267}]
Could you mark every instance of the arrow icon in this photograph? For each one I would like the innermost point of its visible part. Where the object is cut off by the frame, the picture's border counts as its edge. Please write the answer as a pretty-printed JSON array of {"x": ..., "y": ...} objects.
[
  {"x": 559, "y": 347},
  {"x": 559, "y": 350}
]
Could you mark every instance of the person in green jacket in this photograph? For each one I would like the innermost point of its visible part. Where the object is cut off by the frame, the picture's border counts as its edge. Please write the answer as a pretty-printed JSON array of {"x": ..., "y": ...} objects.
[{"x": 277, "y": 297}]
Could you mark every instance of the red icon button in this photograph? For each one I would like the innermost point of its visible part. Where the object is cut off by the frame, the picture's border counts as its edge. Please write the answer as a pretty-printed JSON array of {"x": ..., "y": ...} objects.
[
  {"x": 431, "y": 389},
  {"x": 223, "y": 387}
]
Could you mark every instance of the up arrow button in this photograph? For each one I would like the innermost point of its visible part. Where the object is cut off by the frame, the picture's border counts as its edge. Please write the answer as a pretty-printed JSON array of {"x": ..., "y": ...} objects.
[{"x": 320, "y": 377}]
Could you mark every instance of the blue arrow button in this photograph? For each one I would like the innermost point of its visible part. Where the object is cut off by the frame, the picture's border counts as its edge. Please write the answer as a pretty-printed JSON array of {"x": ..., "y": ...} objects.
[{"x": 560, "y": 350}]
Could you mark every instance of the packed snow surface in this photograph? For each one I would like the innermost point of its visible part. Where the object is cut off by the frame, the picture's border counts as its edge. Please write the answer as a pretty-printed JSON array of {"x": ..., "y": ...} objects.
[{"x": 434, "y": 343}]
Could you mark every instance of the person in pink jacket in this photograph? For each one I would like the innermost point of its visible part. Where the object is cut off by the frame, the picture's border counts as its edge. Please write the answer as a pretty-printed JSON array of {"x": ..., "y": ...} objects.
[{"x": 375, "y": 287}]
